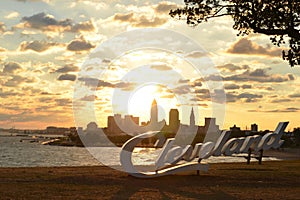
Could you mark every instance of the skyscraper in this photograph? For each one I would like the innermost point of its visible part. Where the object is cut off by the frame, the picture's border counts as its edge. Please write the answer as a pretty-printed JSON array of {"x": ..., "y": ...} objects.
[
  {"x": 154, "y": 112},
  {"x": 254, "y": 127},
  {"x": 192, "y": 118},
  {"x": 174, "y": 121}
]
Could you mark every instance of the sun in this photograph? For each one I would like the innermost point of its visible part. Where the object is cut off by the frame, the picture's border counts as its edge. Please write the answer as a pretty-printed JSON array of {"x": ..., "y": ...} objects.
[{"x": 141, "y": 99}]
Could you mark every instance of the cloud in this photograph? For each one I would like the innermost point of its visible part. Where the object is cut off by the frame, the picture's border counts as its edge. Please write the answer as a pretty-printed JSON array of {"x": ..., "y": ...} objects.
[
  {"x": 89, "y": 98},
  {"x": 219, "y": 96},
  {"x": 281, "y": 100},
  {"x": 283, "y": 110},
  {"x": 202, "y": 95},
  {"x": 168, "y": 96},
  {"x": 164, "y": 7},
  {"x": 46, "y": 22},
  {"x": 125, "y": 86},
  {"x": 11, "y": 67},
  {"x": 249, "y": 96},
  {"x": 46, "y": 99},
  {"x": 197, "y": 82},
  {"x": 87, "y": 26},
  {"x": 2, "y": 49},
  {"x": 16, "y": 80},
  {"x": 245, "y": 46},
  {"x": 161, "y": 67},
  {"x": 259, "y": 75},
  {"x": 296, "y": 95},
  {"x": 5, "y": 116},
  {"x": 100, "y": 84},
  {"x": 244, "y": 97},
  {"x": 202, "y": 91},
  {"x": 129, "y": 17},
  {"x": 180, "y": 90},
  {"x": 31, "y": 90},
  {"x": 63, "y": 102},
  {"x": 290, "y": 110},
  {"x": 213, "y": 77},
  {"x": 67, "y": 68},
  {"x": 144, "y": 21},
  {"x": 140, "y": 20},
  {"x": 80, "y": 45},
  {"x": 90, "y": 82},
  {"x": 232, "y": 87},
  {"x": 6, "y": 94},
  {"x": 269, "y": 88},
  {"x": 246, "y": 86},
  {"x": 38, "y": 46},
  {"x": 232, "y": 68},
  {"x": 197, "y": 54},
  {"x": 12, "y": 15},
  {"x": 2, "y": 27},
  {"x": 291, "y": 77},
  {"x": 67, "y": 77},
  {"x": 184, "y": 81},
  {"x": 47, "y": 1},
  {"x": 231, "y": 97},
  {"x": 49, "y": 93}
]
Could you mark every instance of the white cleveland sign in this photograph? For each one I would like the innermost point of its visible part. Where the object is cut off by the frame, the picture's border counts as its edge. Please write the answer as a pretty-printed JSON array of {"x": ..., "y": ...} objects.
[{"x": 167, "y": 161}]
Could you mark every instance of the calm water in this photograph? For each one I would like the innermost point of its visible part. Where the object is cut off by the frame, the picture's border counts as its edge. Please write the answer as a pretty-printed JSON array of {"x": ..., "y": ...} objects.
[
  {"x": 14, "y": 153},
  {"x": 20, "y": 151}
]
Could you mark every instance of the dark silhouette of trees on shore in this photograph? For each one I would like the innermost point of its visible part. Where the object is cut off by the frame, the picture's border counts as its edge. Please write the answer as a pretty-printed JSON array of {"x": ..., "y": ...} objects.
[
  {"x": 297, "y": 136},
  {"x": 278, "y": 19}
]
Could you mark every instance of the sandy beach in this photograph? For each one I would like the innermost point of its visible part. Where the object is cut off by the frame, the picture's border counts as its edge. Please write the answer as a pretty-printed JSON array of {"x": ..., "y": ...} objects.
[{"x": 271, "y": 180}]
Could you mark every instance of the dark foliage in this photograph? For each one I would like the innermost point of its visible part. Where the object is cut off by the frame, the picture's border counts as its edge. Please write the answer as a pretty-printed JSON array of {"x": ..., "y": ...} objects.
[
  {"x": 297, "y": 136},
  {"x": 278, "y": 19}
]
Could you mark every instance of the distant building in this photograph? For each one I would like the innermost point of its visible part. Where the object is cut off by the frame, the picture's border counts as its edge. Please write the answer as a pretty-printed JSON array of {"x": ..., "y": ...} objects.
[
  {"x": 92, "y": 127},
  {"x": 254, "y": 128},
  {"x": 136, "y": 120},
  {"x": 174, "y": 121},
  {"x": 80, "y": 130},
  {"x": 210, "y": 124},
  {"x": 51, "y": 129},
  {"x": 192, "y": 118},
  {"x": 210, "y": 130},
  {"x": 131, "y": 125},
  {"x": 117, "y": 125},
  {"x": 56, "y": 130},
  {"x": 112, "y": 126},
  {"x": 73, "y": 129},
  {"x": 145, "y": 123},
  {"x": 235, "y": 128},
  {"x": 154, "y": 112},
  {"x": 130, "y": 119}
]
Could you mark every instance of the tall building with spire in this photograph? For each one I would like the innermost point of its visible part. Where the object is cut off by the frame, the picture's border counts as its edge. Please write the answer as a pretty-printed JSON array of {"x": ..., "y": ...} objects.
[
  {"x": 154, "y": 112},
  {"x": 192, "y": 118}
]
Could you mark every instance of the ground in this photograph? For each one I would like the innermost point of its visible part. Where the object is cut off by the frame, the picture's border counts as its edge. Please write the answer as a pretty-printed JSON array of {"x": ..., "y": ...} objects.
[{"x": 271, "y": 180}]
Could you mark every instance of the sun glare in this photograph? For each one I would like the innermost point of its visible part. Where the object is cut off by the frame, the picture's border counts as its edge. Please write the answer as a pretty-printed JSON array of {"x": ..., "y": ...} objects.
[{"x": 141, "y": 99}]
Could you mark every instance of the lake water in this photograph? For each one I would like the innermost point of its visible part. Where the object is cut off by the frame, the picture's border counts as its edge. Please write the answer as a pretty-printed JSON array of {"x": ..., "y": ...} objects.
[{"x": 21, "y": 151}]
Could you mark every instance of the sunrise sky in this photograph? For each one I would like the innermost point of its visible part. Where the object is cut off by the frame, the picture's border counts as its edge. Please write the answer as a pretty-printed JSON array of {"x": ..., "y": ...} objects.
[{"x": 44, "y": 43}]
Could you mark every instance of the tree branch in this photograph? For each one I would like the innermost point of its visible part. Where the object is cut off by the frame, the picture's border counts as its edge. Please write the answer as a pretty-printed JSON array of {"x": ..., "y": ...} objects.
[
  {"x": 290, "y": 32},
  {"x": 221, "y": 15}
]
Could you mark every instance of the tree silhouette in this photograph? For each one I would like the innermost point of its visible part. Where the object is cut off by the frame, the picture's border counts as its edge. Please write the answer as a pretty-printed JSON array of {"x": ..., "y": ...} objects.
[
  {"x": 297, "y": 136},
  {"x": 278, "y": 19}
]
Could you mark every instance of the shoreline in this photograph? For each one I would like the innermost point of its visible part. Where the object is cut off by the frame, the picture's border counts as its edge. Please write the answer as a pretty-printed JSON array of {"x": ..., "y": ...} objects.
[
  {"x": 271, "y": 180},
  {"x": 284, "y": 153}
]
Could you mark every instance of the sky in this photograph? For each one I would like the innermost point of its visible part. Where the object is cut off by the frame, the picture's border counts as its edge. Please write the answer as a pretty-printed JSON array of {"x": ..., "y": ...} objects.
[{"x": 65, "y": 63}]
